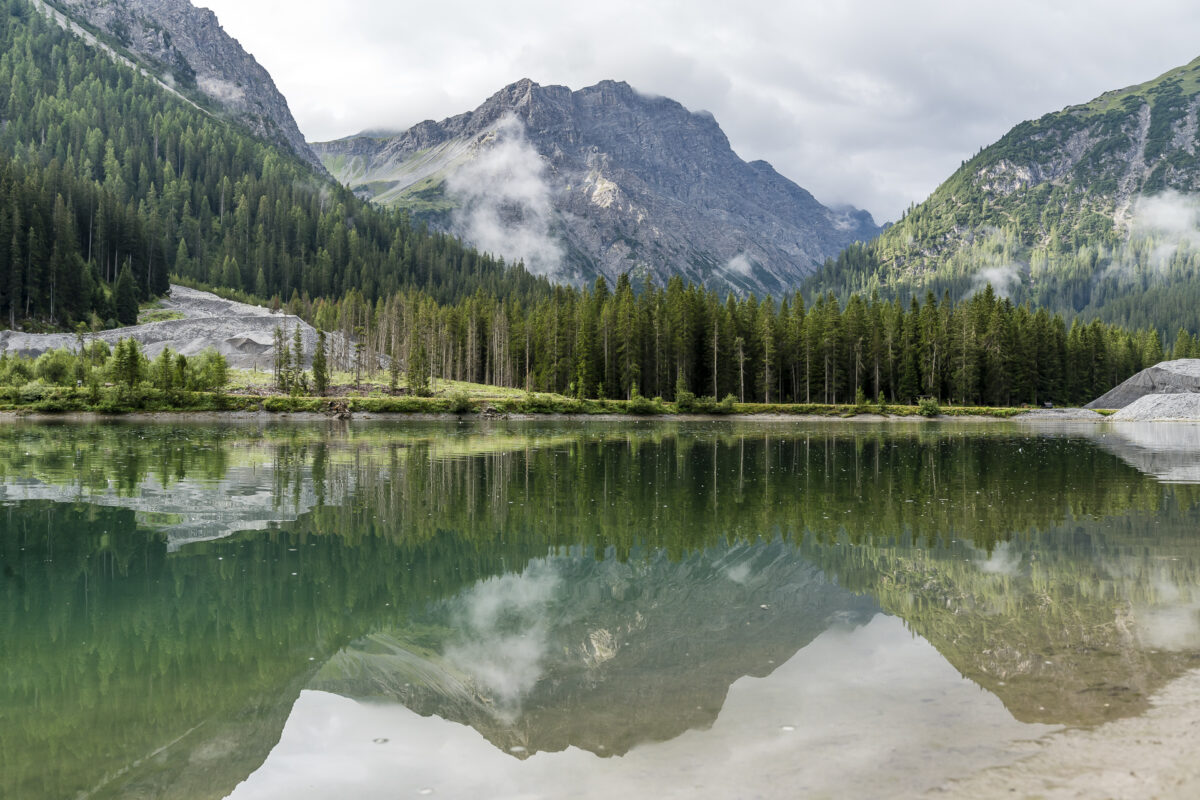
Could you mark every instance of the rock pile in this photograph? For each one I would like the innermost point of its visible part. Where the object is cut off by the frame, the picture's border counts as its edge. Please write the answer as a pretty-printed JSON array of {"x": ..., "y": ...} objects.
[
  {"x": 1156, "y": 407},
  {"x": 1169, "y": 377}
]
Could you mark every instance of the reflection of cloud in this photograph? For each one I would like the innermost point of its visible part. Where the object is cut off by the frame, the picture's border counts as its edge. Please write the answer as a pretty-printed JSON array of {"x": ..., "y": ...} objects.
[
  {"x": 1174, "y": 629},
  {"x": 738, "y": 573},
  {"x": 503, "y": 632},
  {"x": 504, "y": 201},
  {"x": 1004, "y": 560},
  {"x": 1173, "y": 623}
]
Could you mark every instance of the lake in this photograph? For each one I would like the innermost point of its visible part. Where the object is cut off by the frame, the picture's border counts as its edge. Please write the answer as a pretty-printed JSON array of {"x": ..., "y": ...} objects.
[{"x": 555, "y": 609}]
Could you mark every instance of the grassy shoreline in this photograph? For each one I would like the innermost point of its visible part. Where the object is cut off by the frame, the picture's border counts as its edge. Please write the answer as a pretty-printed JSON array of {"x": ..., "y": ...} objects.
[{"x": 57, "y": 401}]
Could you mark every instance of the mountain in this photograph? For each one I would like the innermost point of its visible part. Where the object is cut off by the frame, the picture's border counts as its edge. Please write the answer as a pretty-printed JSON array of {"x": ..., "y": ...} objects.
[
  {"x": 103, "y": 168},
  {"x": 1087, "y": 210},
  {"x": 188, "y": 50},
  {"x": 601, "y": 181}
]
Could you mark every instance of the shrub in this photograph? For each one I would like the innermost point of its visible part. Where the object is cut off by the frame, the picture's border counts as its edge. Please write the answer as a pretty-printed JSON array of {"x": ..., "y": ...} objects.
[
  {"x": 725, "y": 406},
  {"x": 209, "y": 371},
  {"x": 685, "y": 401},
  {"x": 460, "y": 403},
  {"x": 56, "y": 367},
  {"x": 18, "y": 372},
  {"x": 644, "y": 406},
  {"x": 928, "y": 407}
]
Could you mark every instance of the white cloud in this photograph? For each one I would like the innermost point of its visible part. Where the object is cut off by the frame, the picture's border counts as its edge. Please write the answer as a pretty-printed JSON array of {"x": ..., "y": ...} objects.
[
  {"x": 504, "y": 201},
  {"x": 1162, "y": 227},
  {"x": 740, "y": 264},
  {"x": 867, "y": 102},
  {"x": 1004, "y": 279}
]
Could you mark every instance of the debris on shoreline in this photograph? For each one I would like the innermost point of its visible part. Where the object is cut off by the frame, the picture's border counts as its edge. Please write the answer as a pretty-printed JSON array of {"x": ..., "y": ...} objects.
[{"x": 1065, "y": 414}]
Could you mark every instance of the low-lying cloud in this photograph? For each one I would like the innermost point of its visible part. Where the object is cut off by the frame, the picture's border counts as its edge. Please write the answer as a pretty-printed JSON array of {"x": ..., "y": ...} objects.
[
  {"x": 1168, "y": 221},
  {"x": 740, "y": 264},
  {"x": 1004, "y": 279},
  {"x": 1162, "y": 228},
  {"x": 504, "y": 201}
]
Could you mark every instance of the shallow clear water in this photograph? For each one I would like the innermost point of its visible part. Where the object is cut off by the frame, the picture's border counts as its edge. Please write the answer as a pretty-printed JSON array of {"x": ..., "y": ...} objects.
[{"x": 553, "y": 609}]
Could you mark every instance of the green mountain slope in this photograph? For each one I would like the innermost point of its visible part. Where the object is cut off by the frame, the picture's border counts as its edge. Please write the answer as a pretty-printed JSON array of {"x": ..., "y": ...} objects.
[
  {"x": 101, "y": 168},
  {"x": 1085, "y": 210}
]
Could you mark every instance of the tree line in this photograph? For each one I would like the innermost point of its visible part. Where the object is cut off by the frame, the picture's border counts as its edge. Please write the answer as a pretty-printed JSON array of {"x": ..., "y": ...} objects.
[{"x": 683, "y": 338}]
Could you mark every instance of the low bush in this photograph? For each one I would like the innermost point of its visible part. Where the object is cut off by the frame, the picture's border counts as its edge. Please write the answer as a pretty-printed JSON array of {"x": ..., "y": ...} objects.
[
  {"x": 644, "y": 406},
  {"x": 460, "y": 403}
]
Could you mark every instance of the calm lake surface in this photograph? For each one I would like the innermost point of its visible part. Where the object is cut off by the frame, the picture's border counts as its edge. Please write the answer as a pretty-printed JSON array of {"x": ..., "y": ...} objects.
[{"x": 638, "y": 609}]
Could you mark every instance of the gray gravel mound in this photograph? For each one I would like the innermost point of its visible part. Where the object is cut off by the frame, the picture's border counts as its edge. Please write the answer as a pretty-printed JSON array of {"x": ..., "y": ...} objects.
[
  {"x": 1169, "y": 377},
  {"x": 1156, "y": 407},
  {"x": 244, "y": 334}
]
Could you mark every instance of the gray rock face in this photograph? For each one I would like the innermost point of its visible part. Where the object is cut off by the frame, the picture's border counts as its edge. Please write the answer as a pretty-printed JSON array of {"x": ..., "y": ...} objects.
[
  {"x": 602, "y": 181},
  {"x": 187, "y": 47},
  {"x": 1170, "y": 377}
]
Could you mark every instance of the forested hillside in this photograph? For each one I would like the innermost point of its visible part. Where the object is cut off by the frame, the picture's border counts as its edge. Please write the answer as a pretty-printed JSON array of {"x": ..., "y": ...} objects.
[
  {"x": 1089, "y": 210},
  {"x": 102, "y": 169}
]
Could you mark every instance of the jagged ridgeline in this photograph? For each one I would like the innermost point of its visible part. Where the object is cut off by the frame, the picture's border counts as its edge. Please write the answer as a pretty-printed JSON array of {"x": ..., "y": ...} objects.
[
  {"x": 1085, "y": 210},
  {"x": 102, "y": 168},
  {"x": 602, "y": 181}
]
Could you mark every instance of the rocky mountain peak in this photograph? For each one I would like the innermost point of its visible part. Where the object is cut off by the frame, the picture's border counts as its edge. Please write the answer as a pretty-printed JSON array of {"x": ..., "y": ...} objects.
[
  {"x": 602, "y": 180},
  {"x": 187, "y": 48}
]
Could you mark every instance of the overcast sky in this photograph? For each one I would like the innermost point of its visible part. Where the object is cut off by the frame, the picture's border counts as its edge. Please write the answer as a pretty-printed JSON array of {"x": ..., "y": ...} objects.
[{"x": 868, "y": 102}]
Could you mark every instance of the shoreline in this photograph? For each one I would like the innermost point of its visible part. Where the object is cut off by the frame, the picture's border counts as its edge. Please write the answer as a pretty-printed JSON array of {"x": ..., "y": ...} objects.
[
  {"x": 475, "y": 416},
  {"x": 1155, "y": 754}
]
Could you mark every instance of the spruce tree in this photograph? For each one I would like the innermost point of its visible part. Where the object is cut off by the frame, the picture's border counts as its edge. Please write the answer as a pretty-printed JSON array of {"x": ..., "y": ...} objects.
[
  {"x": 320, "y": 368},
  {"x": 126, "y": 300}
]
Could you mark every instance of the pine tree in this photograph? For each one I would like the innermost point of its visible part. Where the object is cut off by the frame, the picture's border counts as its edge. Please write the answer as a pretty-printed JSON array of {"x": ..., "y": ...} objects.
[
  {"x": 320, "y": 368},
  {"x": 126, "y": 300}
]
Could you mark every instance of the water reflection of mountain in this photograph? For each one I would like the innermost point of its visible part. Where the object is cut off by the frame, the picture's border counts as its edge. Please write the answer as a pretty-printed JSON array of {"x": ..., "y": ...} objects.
[
  {"x": 599, "y": 654},
  {"x": 1005, "y": 549},
  {"x": 1074, "y": 624}
]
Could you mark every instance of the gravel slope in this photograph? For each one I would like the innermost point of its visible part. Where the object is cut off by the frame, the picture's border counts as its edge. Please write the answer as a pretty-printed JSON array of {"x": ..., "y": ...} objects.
[
  {"x": 243, "y": 333},
  {"x": 1169, "y": 377},
  {"x": 1161, "y": 407}
]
